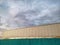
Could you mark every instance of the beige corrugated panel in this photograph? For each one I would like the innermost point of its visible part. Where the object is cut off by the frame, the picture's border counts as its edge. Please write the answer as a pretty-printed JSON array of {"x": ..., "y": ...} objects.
[{"x": 33, "y": 32}]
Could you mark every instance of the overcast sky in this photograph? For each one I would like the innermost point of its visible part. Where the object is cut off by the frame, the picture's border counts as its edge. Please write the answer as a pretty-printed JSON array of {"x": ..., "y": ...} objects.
[{"x": 24, "y": 13}]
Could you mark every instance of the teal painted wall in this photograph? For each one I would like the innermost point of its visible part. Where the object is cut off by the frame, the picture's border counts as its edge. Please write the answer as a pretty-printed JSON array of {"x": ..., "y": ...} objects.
[{"x": 40, "y": 41}]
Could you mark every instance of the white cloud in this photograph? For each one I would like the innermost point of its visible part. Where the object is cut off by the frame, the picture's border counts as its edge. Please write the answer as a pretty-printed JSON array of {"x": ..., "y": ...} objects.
[{"x": 36, "y": 12}]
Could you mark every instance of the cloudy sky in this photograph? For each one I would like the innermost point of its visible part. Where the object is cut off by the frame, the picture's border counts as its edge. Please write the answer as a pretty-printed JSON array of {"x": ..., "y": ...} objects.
[{"x": 24, "y": 13}]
